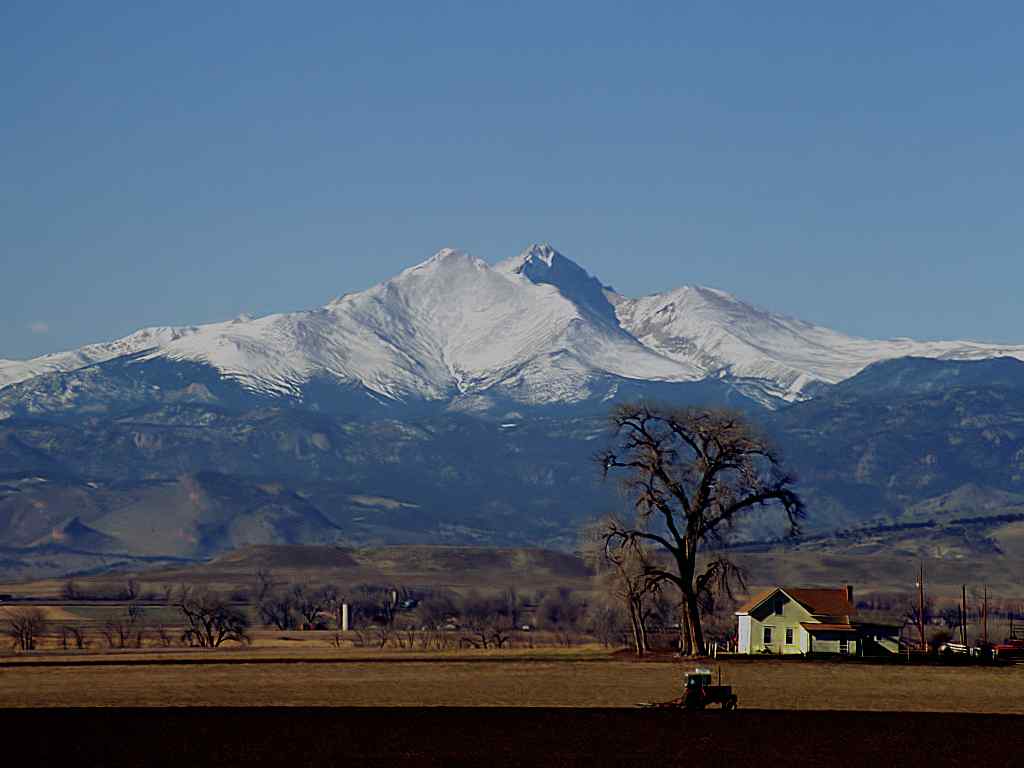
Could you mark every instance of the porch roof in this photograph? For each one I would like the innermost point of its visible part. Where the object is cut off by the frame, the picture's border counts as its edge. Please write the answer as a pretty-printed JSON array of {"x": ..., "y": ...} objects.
[{"x": 814, "y": 627}]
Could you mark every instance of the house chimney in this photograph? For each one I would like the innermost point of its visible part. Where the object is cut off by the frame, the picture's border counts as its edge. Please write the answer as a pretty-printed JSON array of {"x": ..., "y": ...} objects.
[{"x": 849, "y": 594}]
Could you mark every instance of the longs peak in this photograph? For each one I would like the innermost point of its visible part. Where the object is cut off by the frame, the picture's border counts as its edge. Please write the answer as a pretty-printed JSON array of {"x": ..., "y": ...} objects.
[{"x": 536, "y": 329}]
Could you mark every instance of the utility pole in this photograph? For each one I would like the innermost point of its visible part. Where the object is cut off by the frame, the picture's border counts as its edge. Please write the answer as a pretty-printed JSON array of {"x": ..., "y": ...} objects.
[
  {"x": 920, "y": 604},
  {"x": 963, "y": 614},
  {"x": 984, "y": 616}
]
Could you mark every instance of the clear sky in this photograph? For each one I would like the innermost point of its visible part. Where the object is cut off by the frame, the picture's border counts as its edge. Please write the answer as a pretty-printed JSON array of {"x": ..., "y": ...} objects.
[{"x": 859, "y": 165}]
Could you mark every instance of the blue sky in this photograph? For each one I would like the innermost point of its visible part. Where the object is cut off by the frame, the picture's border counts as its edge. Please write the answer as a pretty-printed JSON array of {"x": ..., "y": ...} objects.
[{"x": 855, "y": 165}]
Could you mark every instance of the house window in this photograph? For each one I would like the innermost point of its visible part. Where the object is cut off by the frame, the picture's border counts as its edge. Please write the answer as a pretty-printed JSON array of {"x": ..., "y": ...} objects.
[
  {"x": 844, "y": 647},
  {"x": 789, "y": 635},
  {"x": 767, "y": 637},
  {"x": 778, "y": 606}
]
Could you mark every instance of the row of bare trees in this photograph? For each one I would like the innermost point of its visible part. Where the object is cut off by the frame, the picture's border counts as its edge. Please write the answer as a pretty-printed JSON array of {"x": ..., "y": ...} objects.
[
  {"x": 208, "y": 620},
  {"x": 383, "y": 614},
  {"x": 379, "y": 615},
  {"x": 129, "y": 590}
]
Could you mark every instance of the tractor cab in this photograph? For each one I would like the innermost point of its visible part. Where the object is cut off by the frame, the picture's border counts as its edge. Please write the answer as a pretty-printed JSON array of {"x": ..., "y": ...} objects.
[{"x": 698, "y": 678}]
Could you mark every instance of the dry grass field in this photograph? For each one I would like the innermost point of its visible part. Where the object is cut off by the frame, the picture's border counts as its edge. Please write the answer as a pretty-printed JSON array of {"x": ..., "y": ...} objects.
[{"x": 583, "y": 677}]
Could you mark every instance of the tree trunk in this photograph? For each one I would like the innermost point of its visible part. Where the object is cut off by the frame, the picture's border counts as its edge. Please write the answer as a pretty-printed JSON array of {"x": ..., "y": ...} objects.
[
  {"x": 684, "y": 630},
  {"x": 686, "y": 562},
  {"x": 639, "y": 641},
  {"x": 643, "y": 630},
  {"x": 695, "y": 634}
]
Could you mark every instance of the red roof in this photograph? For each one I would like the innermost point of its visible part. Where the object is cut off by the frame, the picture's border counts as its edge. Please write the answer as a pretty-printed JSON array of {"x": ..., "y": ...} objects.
[
  {"x": 818, "y": 602},
  {"x": 823, "y": 602},
  {"x": 756, "y": 600}
]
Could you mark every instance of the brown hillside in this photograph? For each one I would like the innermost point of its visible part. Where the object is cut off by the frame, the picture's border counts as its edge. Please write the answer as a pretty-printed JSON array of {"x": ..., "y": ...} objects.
[{"x": 458, "y": 568}]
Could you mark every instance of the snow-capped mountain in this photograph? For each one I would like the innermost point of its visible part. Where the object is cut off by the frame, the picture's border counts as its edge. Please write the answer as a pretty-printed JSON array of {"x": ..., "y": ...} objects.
[
  {"x": 764, "y": 354},
  {"x": 780, "y": 355},
  {"x": 13, "y": 371},
  {"x": 536, "y": 329}
]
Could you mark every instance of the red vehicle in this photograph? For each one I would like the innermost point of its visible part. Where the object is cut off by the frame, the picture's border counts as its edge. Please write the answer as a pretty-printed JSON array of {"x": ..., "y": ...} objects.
[{"x": 1011, "y": 648}]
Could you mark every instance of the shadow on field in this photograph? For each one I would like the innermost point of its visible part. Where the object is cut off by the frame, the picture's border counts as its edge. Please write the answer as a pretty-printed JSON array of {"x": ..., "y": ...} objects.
[{"x": 485, "y": 737}]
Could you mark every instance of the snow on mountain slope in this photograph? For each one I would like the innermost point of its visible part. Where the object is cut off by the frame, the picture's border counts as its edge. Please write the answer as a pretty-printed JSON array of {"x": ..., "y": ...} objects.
[
  {"x": 542, "y": 264},
  {"x": 536, "y": 329},
  {"x": 725, "y": 336},
  {"x": 471, "y": 326},
  {"x": 13, "y": 371},
  {"x": 450, "y": 326}
]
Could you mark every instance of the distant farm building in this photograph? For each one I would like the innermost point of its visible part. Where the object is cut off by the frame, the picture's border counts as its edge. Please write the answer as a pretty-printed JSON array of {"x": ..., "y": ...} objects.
[{"x": 796, "y": 620}]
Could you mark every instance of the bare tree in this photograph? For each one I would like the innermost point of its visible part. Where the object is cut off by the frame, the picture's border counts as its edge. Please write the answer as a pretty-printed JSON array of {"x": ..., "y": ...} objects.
[
  {"x": 131, "y": 590},
  {"x": 72, "y": 635},
  {"x": 264, "y": 585},
  {"x": 561, "y": 613},
  {"x": 210, "y": 620},
  {"x": 919, "y": 621},
  {"x": 125, "y": 629},
  {"x": 310, "y": 602},
  {"x": 70, "y": 590},
  {"x": 690, "y": 474},
  {"x": 24, "y": 626},
  {"x": 620, "y": 566},
  {"x": 433, "y": 615},
  {"x": 514, "y": 606},
  {"x": 376, "y": 604},
  {"x": 487, "y": 620},
  {"x": 278, "y": 609},
  {"x": 381, "y": 634},
  {"x": 606, "y": 623},
  {"x": 436, "y": 610}
]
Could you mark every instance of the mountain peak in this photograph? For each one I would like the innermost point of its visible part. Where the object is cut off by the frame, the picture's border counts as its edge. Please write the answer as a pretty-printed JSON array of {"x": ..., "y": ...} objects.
[
  {"x": 448, "y": 253},
  {"x": 448, "y": 258},
  {"x": 542, "y": 264},
  {"x": 537, "y": 260},
  {"x": 542, "y": 252}
]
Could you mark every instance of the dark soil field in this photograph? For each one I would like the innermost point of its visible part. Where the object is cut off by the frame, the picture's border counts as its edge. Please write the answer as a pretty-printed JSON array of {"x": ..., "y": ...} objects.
[
  {"x": 513, "y": 737},
  {"x": 314, "y": 706}
]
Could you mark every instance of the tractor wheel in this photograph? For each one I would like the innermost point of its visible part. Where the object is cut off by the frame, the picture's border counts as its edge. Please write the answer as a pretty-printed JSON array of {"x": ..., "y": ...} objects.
[{"x": 730, "y": 703}]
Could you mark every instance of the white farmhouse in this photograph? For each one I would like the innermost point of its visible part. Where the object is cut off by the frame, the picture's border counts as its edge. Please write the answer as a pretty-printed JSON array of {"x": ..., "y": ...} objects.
[{"x": 797, "y": 620}]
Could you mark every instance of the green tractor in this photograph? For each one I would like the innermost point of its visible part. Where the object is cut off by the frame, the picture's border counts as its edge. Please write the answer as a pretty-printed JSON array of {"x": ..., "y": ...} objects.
[{"x": 699, "y": 693}]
